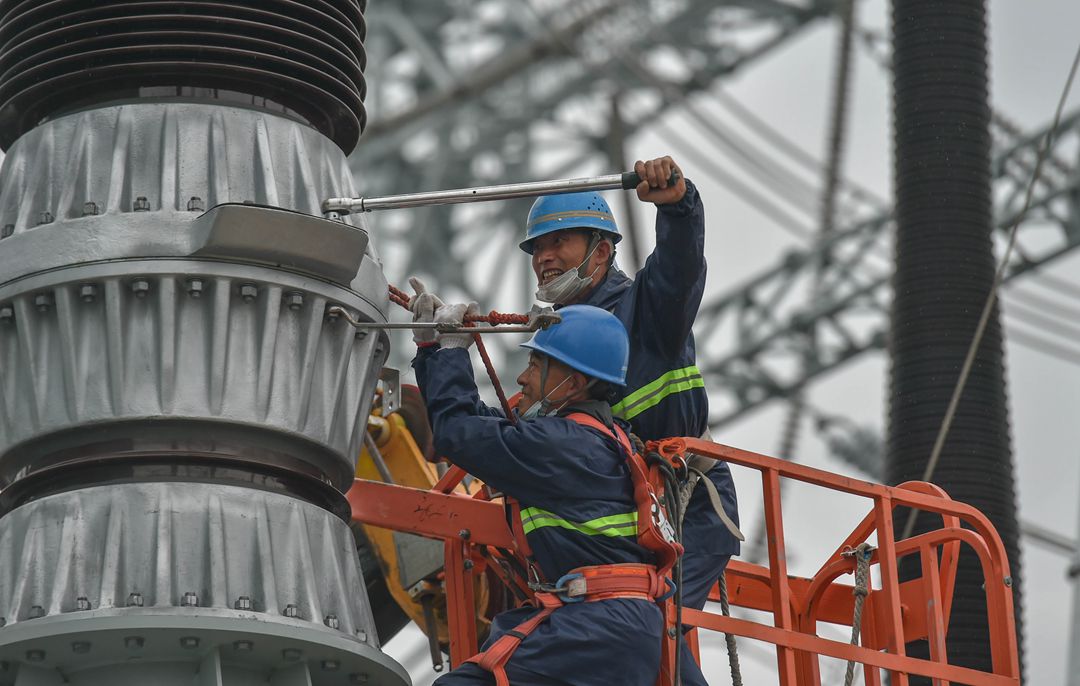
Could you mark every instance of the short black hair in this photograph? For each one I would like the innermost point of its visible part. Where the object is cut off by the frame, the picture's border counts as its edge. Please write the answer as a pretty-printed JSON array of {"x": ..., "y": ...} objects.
[{"x": 604, "y": 391}]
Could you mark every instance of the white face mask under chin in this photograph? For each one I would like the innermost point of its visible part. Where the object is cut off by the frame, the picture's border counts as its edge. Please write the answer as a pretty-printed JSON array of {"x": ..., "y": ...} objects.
[
  {"x": 565, "y": 287},
  {"x": 568, "y": 285},
  {"x": 542, "y": 407}
]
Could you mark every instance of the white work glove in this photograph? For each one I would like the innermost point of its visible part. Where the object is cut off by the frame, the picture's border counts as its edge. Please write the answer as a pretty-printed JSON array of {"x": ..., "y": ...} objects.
[
  {"x": 423, "y": 306},
  {"x": 455, "y": 314}
]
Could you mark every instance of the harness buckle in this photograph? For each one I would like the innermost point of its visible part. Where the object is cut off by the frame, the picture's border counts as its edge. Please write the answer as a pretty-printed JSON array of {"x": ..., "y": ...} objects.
[
  {"x": 661, "y": 520},
  {"x": 671, "y": 588},
  {"x": 571, "y": 588}
]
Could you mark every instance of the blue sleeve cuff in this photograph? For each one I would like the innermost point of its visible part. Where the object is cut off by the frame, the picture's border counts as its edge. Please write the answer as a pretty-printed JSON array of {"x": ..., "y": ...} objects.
[{"x": 685, "y": 206}]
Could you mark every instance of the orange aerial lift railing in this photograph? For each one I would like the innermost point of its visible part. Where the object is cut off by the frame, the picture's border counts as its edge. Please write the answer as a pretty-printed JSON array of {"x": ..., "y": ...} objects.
[{"x": 474, "y": 529}]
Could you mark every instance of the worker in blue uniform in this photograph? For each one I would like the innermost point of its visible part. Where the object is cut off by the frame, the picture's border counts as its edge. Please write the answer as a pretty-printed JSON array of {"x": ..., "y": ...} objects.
[
  {"x": 573, "y": 488},
  {"x": 571, "y": 239}
]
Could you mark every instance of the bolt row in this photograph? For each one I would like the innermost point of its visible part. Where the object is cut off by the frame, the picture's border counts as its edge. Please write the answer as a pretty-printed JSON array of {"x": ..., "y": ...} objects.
[
  {"x": 88, "y": 293},
  {"x": 191, "y": 599},
  {"x": 92, "y": 209},
  {"x": 191, "y": 643}
]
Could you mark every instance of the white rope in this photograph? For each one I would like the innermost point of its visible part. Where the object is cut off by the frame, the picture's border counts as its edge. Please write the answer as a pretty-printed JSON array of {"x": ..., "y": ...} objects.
[{"x": 862, "y": 556}]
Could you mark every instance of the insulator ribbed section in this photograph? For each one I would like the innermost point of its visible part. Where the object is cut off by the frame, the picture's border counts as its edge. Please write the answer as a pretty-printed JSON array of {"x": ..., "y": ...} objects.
[
  {"x": 304, "y": 58},
  {"x": 944, "y": 274}
]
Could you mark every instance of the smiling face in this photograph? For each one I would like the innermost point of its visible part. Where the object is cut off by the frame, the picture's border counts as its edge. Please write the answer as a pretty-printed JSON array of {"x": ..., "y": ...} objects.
[
  {"x": 573, "y": 383},
  {"x": 558, "y": 252}
]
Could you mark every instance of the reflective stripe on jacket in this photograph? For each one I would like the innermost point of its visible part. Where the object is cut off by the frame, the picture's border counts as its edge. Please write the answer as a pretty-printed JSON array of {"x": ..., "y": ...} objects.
[
  {"x": 573, "y": 485},
  {"x": 665, "y": 394}
]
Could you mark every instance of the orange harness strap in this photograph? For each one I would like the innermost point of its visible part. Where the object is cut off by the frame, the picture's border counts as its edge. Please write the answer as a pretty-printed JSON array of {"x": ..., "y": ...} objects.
[
  {"x": 649, "y": 535},
  {"x": 584, "y": 584},
  {"x": 596, "y": 582}
]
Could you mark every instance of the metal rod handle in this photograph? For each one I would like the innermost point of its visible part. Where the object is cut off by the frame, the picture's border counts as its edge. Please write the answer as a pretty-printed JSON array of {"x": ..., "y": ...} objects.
[{"x": 625, "y": 181}]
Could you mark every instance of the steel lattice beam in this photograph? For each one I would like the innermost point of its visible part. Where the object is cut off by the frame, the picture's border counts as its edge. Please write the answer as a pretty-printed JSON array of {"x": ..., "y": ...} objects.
[
  {"x": 534, "y": 105},
  {"x": 752, "y": 340}
]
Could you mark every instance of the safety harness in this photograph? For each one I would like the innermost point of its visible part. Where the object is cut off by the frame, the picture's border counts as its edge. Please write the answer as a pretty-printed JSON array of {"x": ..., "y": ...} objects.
[{"x": 601, "y": 582}]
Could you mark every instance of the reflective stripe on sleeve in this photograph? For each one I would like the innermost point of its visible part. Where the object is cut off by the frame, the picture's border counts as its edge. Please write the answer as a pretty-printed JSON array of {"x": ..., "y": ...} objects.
[
  {"x": 533, "y": 518},
  {"x": 651, "y": 394}
]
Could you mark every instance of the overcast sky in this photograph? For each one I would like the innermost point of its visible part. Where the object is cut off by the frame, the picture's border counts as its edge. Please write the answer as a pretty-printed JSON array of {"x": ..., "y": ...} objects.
[{"x": 1032, "y": 44}]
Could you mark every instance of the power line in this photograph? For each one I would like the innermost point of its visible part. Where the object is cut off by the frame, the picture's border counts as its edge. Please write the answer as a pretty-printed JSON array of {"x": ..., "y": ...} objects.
[
  {"x": 728, "y": 180},
  {"x": 1046, "y": 324},
  {"x": 1043, "y": 303},
  {"x": 792, "y": 149},
  {"x": 1042, "y": 345}
]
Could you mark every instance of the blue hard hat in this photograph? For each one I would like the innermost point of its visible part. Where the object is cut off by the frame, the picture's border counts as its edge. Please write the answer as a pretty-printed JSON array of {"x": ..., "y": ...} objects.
[
  {"x": 588, "y": 339},
  {"x": 569, "y": 211}
]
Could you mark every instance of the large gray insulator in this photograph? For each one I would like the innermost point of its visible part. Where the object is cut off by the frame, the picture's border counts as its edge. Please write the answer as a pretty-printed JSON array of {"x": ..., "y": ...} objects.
[
  {"x": 100, "y": 582},
  {"x": 146, "y": 311}
]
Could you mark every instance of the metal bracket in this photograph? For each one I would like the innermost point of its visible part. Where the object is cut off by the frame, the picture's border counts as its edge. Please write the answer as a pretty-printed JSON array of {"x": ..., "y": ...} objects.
[{"x": 391, "y": 395}]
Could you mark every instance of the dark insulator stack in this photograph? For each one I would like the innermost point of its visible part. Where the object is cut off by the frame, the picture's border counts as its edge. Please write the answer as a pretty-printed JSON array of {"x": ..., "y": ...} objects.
[
  {"x": 944, "y": 273},
  {"x": 303, "y": 58}
]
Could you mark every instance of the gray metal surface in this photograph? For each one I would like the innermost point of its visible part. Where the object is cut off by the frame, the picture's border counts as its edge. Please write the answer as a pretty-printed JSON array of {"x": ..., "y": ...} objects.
[
  {"x": 138, "y": 546},
  {"x": 126, "y": 181},
  {"x": 188, "y": 647},
  {"x": 226, "y": 344}
]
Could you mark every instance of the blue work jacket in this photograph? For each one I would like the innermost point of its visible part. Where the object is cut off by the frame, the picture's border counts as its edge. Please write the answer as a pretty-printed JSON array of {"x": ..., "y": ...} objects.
[
  {"x": 577, "y": 509},
  {"x": 665, "y": 393}
]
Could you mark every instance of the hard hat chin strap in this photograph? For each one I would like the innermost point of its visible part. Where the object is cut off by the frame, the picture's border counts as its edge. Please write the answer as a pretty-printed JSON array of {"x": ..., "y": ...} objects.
[
  {"x": 567, "y": 286},
  {"x": 542, "y": 407}
]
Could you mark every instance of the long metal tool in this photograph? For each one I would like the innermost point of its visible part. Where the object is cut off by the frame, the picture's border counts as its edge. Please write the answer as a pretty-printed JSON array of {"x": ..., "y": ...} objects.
[
  {"x": 538, "y": 318},
  {"x": 624, "y": 181}
]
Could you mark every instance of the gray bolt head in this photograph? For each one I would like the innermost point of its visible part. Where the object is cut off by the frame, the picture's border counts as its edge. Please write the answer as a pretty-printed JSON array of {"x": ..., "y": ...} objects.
[
  {"x": 190, "y": 599},
  {"x": 332, "y": 621},
  {"x": 196, "y": 204},
  {"x": 134, "y": 642},
  {"x": 294, "y": 300},
  {"x": 82, "y": 603},
  {"x": 358, "y": 678},
  {"x": 140, "y": 287},
  {"x": 88, "y": 292},
  {"x": 243, "y": 646},
  {"x": 291, "y": 611},
  {"x": 292, "y": 654},
  {"x": 80, "y": 647},
  {"x": 243, "y": 603},
  {"x": 135, "y": 600},
  {"x": 248, "y": 292},
  {"x": 36, "y": 612},
  {"x": 8, "y": 230},
  {"x": 331, "y": 665},
  {"x": 195, "y": 288},
  {"x": 7, "y": 313},
  {"x": 361, "y": 635},
  {"x": 189, "y": 642},
  {"x": 3, "y": 621},
  {"x": 89, "y": 209},
  {"x": 35, "y": 655},
  {"x": 1008, "y": 581},
  {"x": 43, "y": 302},
  {"x": 142, "y": 204},
  {"x": 45, "y": 218}
]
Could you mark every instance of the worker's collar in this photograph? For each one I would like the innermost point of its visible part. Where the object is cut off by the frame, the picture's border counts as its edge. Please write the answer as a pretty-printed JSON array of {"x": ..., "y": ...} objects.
[
  {"x": 608, "y": 291},
  {"x": 597, "y": 409}
]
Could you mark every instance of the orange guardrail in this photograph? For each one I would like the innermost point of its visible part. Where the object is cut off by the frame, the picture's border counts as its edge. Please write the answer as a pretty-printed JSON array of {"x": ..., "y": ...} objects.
[{"x": 476, "y": 535}]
